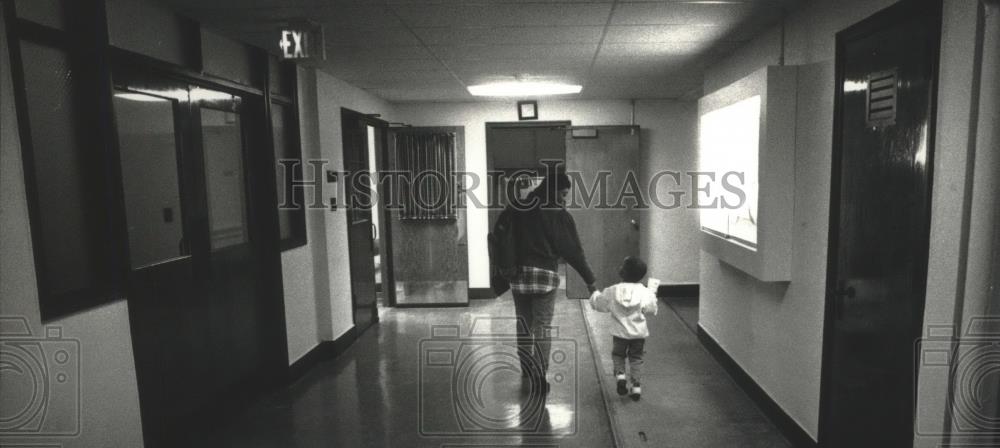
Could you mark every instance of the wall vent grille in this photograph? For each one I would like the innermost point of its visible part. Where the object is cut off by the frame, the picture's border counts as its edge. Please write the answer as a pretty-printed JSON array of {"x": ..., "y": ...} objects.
[{"x": 882, "y": 91}]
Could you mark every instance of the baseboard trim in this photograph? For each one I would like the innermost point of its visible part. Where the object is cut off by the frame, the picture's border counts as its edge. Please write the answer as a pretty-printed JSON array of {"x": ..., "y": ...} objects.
[
  {"x": 481, "y": 293},
  {"x": 432, "y": 305},
  {"x": 678, "y": 290},
  {"x": 324, "y": 351},
  {"x": 788, "y": 426}
]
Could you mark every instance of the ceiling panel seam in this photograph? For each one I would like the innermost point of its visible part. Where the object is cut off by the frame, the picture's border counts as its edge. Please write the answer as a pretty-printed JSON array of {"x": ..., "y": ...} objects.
[
  {"x": 409, "y": 29},
  {"x": 600, "y": 43}
]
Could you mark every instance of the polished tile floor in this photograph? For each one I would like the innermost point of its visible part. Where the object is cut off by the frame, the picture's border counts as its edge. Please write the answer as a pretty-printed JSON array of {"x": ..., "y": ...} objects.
[
  {"x": 448, "y": 377},
  {"x": 688, "y": 400},
  {"x": 436, "y": 377}
]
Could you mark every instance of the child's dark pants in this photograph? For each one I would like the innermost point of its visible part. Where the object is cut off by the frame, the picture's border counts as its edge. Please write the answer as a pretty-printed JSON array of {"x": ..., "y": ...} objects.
[{"x": 631, "y": 349}]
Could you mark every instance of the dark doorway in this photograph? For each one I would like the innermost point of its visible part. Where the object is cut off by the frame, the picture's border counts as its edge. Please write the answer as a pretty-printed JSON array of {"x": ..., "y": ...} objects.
[
  {"x": 429, "y": 221},
  {"x": 519, "y": 147},
  {"x": 204, "y": 287},
  {"x": 363, "y": 216},
  {"x": 879, "y": 224}
]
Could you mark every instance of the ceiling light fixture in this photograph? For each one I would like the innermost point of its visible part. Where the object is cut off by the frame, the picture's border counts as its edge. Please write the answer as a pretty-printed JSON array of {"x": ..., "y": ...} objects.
[
  {"x": 139, "y": 97},
  {"x": 524, "y": 89}
]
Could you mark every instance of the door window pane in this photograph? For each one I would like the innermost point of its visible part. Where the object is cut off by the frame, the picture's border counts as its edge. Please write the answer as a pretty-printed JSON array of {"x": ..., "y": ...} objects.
[
  {"x": 148, "y": 154},
  {"x": 290, "y": 208},
  {"x": 279, "y": 79},
  {"x": 282, "y": 148},
  {"x": 223, "y": 145},
  {"x": 69, "y": 224},
  {"x": 46, "y": 12}
]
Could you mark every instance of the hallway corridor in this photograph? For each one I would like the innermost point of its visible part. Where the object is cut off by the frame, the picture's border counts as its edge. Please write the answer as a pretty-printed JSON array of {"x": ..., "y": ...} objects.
[
  {"x": 688, "y": 400},
  {"x": 375, "y": 394},
  {"x": 372, "y": 394}
]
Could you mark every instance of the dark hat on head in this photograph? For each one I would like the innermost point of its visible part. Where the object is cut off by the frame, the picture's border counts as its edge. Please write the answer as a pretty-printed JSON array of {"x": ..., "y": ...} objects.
[
  {"x": 553, "y": 182},
  {"x": 633, "y": 269}
]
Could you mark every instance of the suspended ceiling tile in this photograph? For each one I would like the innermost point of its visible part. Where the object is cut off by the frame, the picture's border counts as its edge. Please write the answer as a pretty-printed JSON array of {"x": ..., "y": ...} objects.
[
  {"x": 488, "y": 79},
  {"x": 521, "y": 63},
  {"x": 366, "y": 37},
  {"x": 412, "y": 83},
  {"x": 636, "y": 88},
  {"x": 381, "y": 42},
  {"x": 423, "y": 94},
  {"x": 666, "y": 33},
  {"x": 654, "y": 51},
  {"x": 510, "y": 35},
  {"x": 358, "y": 69},
  {"x": 621, "y": 68},
  {"x": 347, "y": 54},
  {"x": 372, "y": 17},
  {"x": 364, "y": 79},
  {"x": 670, "y": 13},
  {"x": 531, "y": 14},
  {"x": 488, "y": 52},
  {"x": 544, "y": 74}
]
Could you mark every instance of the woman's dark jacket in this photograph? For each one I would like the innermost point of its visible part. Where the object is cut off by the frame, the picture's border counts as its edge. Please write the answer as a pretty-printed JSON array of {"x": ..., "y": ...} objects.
[{"x": 545, "y": 233}]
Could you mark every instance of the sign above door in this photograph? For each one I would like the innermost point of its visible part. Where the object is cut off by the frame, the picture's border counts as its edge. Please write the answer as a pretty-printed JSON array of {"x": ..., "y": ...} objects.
[{"x": 302, "y": 40}]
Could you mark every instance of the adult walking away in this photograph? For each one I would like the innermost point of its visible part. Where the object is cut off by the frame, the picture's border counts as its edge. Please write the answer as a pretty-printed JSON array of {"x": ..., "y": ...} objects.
[{"x": 543, "y": 233}]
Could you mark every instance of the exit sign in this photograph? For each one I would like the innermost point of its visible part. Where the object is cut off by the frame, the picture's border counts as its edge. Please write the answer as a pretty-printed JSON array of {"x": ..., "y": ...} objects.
[{"x": 302, "y": 42}]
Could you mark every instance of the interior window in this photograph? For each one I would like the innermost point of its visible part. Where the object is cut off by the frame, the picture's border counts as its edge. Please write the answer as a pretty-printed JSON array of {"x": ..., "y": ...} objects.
[{"x": 148, "y": 154}]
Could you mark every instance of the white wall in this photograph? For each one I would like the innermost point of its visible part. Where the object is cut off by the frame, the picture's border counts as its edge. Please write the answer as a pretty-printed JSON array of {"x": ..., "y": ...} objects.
[
  {"x": 109, "y": 400},
  {"x": 304, "y": 269},
  {"x": 667, "y": 141},
  {"x": 962, "y": 240},
  {"x": 774, "y": 330},
  {"x": 669, "y": 239},
  {"x": 333, "y": 94},
  {"x": 317, "y": 276}
]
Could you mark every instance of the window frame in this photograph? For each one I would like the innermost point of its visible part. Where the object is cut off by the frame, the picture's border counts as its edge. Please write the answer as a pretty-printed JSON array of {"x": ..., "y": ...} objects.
[
  {"x": 81, "y": 42},
  {"x": 290, "y": 101},
  {"x": 86, "y": 43}
]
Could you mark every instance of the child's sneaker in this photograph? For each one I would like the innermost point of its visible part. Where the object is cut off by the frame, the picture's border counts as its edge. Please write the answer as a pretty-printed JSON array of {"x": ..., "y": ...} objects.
[
  {"x": 635, "y": 392},
  {"x": 622, "y": 384}
]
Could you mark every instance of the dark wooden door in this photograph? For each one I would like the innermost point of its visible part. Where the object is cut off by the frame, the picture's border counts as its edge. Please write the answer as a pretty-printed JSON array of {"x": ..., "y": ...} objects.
[
  {"x": 608, "y": 230},
  {"x": 880, "y": 208},
  {"x": 514, "y": 149},
  {"x": 204, "y": 287},
  {"x": 361, "y": 230}
]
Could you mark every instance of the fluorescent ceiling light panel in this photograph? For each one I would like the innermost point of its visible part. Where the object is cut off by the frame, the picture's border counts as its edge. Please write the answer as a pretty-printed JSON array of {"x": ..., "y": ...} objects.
[
  {"x": 139, "y": 97},
  {"x": 523, "y": 89}
]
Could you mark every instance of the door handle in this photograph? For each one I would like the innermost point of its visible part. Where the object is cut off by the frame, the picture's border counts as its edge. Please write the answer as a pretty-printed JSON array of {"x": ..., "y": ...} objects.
[
  {"x": 840, "y": 294},
  {"x": 848, "y": 292},
  {"x": 374, "y": 232},
  {"x": 635, "y": 223}
]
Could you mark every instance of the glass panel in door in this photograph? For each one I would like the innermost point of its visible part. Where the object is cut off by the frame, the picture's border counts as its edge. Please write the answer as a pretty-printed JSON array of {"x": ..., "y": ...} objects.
[
  {"x": 148, "y": 153},
  {"x": 222, "y": 140}
]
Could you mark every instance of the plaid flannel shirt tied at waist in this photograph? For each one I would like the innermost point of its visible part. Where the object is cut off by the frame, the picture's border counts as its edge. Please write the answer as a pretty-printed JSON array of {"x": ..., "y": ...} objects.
[{"x": 532, "y": 280}]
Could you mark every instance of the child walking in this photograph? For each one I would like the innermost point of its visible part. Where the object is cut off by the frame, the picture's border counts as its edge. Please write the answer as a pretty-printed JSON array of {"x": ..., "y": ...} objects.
[{"x": 628, "y": 302}]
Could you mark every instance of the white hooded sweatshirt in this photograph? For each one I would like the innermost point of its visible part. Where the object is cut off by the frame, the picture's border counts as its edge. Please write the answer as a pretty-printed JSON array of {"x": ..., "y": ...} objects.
[{"x": 628, "y": 304}]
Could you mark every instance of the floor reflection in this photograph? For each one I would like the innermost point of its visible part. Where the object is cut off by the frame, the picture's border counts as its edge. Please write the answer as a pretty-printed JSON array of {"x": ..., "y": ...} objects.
[
  {"x": 435, "y": 377},
  {"x": 431, "y": 292}
]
